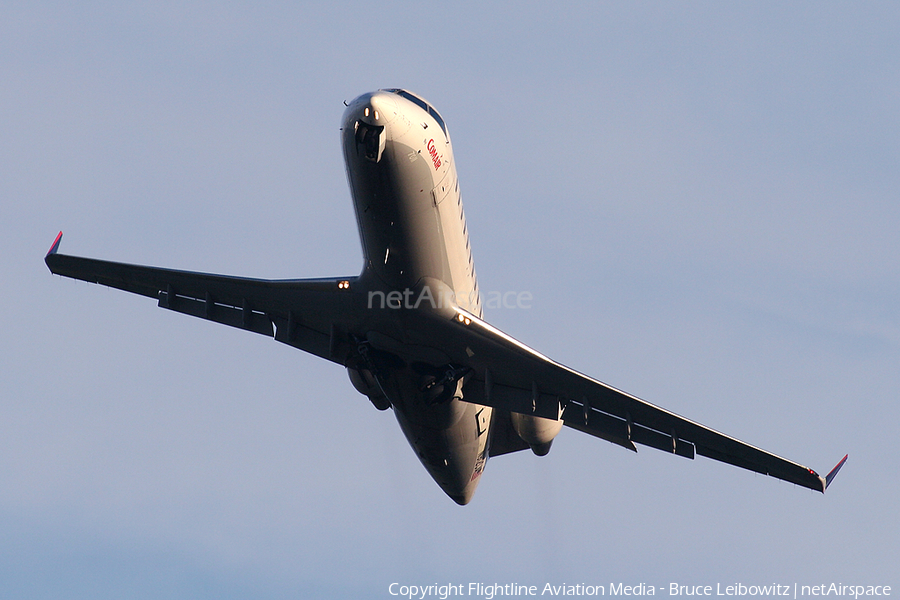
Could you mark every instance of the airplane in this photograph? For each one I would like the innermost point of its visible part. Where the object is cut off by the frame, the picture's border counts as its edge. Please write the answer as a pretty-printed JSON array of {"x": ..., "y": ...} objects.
[{"x": 410, "y": 329}]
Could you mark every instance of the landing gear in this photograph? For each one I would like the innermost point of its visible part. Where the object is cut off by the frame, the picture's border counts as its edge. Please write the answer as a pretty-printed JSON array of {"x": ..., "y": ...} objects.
[
  {"x": 367, "y": 378},
  {"x": 440, "y": 388}
]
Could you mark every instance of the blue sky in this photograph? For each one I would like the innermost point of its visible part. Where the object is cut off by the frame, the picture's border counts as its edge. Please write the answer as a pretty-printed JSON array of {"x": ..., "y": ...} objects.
[{"x": 702, "y": 199}]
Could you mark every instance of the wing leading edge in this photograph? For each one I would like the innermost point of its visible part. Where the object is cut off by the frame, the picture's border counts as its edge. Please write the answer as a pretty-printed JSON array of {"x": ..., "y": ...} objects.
[
  {"x": 511, "y": 376},
  {"x": 310, "y": 314}
]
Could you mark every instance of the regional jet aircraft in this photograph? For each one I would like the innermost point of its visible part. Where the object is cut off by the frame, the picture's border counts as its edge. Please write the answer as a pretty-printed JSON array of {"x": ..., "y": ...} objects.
[{"x": 409, "y": 328}]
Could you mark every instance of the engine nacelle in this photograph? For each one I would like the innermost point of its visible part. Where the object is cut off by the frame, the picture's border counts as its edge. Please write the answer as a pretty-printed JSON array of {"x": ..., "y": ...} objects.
[
  {"x": 364, "y": 382},
  {"x": 537, "y": 432}
]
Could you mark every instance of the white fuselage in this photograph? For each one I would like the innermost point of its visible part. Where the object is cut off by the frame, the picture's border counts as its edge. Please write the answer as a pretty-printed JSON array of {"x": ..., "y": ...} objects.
[{"x": 417, "y": 258}]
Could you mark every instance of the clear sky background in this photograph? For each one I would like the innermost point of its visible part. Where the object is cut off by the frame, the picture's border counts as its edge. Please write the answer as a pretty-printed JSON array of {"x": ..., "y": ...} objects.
[{"x": 702, "y": 198}]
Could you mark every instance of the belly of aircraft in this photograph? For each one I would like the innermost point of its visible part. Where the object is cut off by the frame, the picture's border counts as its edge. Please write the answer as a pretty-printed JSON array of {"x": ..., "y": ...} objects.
[
  {"x": 454, "y": 456},
  {"x": 393, "y": 183}
]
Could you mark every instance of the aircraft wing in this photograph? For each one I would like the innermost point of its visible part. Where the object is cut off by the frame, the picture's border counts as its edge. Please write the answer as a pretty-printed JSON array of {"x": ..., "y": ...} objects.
[
  {"x": 310, "y": 314},
  {"x": 315, "y": 315},
  {"x": 511, "y": 376}
]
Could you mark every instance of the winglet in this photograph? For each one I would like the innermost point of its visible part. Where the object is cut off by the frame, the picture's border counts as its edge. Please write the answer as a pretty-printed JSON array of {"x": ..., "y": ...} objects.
[
  {"x": 830, "y": 477},
  {"x": 55, "y": 247}
]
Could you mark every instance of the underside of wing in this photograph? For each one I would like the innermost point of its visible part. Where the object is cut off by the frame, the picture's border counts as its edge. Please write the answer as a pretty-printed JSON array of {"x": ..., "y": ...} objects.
[
  {"x": 510, "y": 376},
  {"x": 311, "y": 314},
  {"x": 320, "y": 316}
]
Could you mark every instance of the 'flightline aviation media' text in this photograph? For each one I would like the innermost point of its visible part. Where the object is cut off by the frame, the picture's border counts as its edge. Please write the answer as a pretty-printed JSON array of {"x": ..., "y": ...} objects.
[{"x": 492, "y": 591}]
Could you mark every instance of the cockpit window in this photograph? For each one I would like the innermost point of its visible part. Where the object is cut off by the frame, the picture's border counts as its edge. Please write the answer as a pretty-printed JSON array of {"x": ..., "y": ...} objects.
[
  {"x": 422, "y": 104},
  {"x": 411, "y": 97},
  {"x": 437, "y": 118}
]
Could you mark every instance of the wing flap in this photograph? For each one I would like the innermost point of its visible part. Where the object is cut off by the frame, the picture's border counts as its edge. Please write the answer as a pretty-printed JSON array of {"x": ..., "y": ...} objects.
[
  {"x": 243, "y": 318},
  {"x": 599, "y": 424}
]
